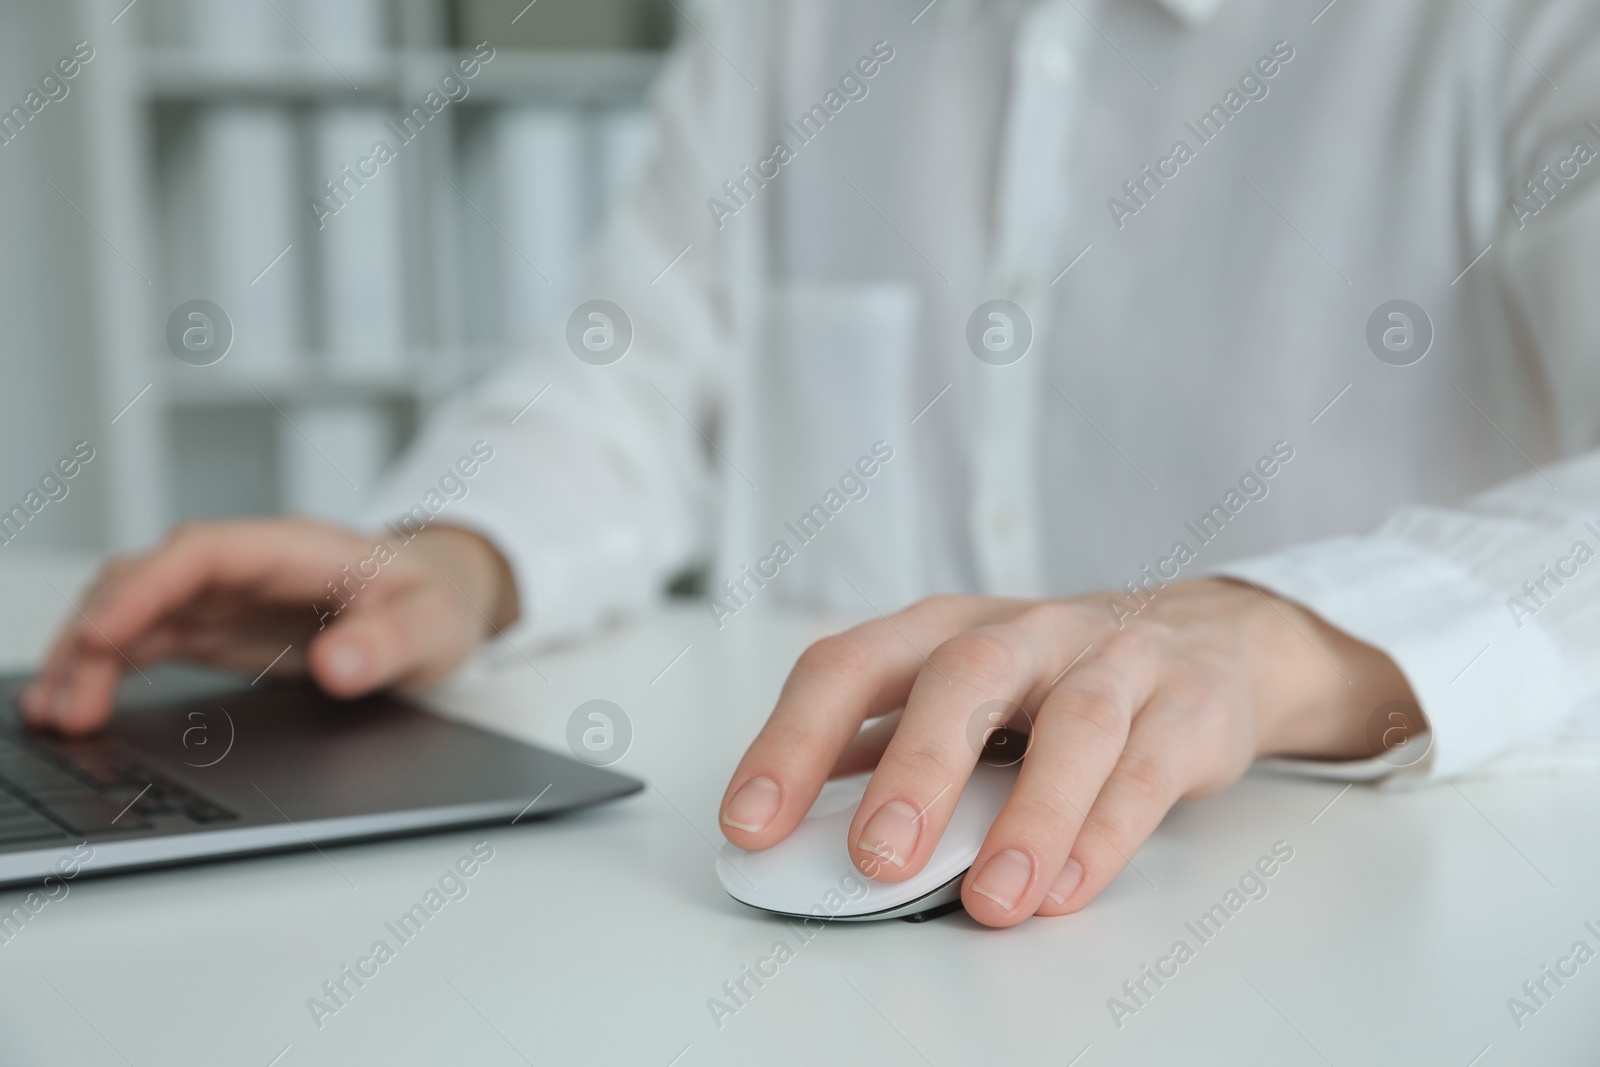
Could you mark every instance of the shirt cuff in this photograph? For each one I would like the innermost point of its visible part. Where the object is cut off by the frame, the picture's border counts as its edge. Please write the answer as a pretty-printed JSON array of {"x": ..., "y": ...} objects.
[
  {"x": 580, "y": 550},
  {"x": 1486, "y": 687}
]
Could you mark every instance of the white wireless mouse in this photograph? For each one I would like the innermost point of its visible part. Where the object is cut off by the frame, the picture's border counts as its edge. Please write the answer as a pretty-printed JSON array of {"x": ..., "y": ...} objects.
[{"x": 809, "y": 873}]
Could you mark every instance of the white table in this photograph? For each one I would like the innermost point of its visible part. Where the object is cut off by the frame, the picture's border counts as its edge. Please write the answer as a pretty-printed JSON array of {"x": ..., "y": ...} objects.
[{"x": 1394, "y": 936}]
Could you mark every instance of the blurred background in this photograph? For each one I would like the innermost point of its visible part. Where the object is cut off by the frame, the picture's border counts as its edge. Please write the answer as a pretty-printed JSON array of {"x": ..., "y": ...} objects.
[{"x": 181, "y": 165}]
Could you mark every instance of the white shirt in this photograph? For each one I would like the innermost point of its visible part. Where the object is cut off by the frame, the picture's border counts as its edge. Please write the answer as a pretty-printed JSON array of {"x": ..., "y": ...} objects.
[{"x": 1198, "y": 314}]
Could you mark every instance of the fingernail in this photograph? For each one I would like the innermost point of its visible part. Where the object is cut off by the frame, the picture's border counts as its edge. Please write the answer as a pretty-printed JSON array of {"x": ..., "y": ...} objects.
[
  {"x": 1005, "y": 878},
  {"x": 753, "y": 806},
  {"x": 348, "y": 663},
  {"x": 891, "y": 833},
  {"x": 1067, "y": 881}
]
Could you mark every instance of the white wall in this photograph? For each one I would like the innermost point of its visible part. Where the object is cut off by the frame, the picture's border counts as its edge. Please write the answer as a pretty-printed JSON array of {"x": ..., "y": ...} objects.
[{"x": 47, "y": 398}]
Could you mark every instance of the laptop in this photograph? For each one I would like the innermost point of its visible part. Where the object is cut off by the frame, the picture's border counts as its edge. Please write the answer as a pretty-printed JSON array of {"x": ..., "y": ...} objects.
[{"x": 199, "y": 766}]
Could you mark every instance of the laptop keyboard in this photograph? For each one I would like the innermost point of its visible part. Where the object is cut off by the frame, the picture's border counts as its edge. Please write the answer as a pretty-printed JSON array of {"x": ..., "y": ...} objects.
[{"x": 47, "y": 794}]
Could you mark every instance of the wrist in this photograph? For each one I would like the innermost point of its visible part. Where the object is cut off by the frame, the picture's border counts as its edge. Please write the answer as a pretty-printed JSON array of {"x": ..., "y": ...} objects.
[
  {"x": 1320, "y": 687},
  {"x": 475, "y": 567}
]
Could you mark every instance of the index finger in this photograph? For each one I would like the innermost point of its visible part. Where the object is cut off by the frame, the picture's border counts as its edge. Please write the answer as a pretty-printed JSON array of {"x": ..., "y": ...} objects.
[
  {"x": 838, "y": 683},
  {"x": 61, "y": 660},
  {"x": 265, "y": 557},
  {"x": 127, "y": 605},
  {"x": 919, "y": 780}
]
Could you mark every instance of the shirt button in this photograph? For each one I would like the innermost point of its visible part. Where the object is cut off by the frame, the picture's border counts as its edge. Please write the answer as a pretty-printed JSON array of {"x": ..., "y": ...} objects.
[
  {"x": 1055, "y": 61},
  {"x": 1005, "y": 521}
]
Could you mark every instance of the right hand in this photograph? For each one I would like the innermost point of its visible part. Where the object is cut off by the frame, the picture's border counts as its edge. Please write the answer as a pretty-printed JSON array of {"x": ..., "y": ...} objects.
[{"x": 234, "y": 595}]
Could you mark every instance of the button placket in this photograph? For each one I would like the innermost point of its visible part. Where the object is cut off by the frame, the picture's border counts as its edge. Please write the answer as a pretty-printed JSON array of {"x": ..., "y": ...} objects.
[{"x": 1031, "y": 201}]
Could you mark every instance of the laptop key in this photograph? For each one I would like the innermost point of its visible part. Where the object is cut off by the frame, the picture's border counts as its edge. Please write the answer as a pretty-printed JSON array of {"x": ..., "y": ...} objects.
[
  {"x": 31, "y": 827},
  {"x": 13, "y": 755},
  {"x": 42, "y": 780},
  {"x": 95, "y": 815},
  {"x": 41, "y": 836},
  {"x": 155, "y": 802},
  {"x": 202, "y": 811},
  {"x": 104, "y": 769}
]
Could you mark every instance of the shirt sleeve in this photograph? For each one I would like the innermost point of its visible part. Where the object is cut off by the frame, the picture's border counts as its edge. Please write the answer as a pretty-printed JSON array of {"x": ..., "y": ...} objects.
[
  {"x": 1491, "y": 608},
  {"x": 601, "y": 483},
  {"x": 1500, "y": 687}
]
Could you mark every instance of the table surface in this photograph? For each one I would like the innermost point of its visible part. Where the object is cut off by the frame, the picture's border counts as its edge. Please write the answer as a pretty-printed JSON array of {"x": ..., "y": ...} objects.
[{"x": 1396, "y": 934}]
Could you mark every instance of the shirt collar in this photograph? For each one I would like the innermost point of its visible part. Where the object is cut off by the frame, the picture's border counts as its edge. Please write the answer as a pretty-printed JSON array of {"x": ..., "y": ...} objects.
[{"x": 1192, "y": 12}]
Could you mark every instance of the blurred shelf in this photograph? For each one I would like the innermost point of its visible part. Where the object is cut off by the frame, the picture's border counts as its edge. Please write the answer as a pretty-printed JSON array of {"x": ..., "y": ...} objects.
[
  {"x": 161, "y": 177},
  {"x": 191, "y": 76},
  {"x": 431, "y": 374},
  {"x": 568, "y": 77}
]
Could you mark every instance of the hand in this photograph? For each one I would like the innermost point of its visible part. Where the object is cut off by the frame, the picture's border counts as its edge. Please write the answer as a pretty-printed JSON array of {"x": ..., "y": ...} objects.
[
  {"x": 1124, "y": 722},
  {"x": 234, "y": 595}
]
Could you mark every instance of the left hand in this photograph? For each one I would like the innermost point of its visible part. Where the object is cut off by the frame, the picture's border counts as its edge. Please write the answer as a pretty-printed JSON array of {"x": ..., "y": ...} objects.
[{"x": 1125, "y": 721}]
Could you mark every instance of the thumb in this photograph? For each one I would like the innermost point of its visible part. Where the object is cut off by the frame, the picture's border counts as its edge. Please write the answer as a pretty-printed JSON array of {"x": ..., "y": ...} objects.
[{"x": 418, "y": 635}]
